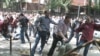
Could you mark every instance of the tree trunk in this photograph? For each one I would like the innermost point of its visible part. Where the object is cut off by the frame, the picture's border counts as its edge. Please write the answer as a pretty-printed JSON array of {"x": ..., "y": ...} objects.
[{"x": 66, "y": 9}]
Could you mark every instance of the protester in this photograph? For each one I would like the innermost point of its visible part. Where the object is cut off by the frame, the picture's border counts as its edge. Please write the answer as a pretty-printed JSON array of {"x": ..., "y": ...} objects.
[
  {"x": 60, "y": 33},
  {"x": 24, "y": 26},
  {"x": 87, "y": 30},
  {"x": 75, "y": 25},
  {"x": 42, "y": 24}
]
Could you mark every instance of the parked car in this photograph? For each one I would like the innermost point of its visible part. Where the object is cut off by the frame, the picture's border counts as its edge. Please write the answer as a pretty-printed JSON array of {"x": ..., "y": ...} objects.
[{"x": 96, "y": 34}]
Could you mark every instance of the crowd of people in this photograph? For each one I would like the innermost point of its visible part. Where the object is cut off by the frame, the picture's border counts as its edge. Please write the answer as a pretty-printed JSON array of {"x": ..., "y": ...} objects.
[{"x": 43, "y": 26}]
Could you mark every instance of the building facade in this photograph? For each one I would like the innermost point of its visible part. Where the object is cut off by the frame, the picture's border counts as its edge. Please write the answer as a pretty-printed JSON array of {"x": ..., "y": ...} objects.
[{"x": 22, "y": 5}]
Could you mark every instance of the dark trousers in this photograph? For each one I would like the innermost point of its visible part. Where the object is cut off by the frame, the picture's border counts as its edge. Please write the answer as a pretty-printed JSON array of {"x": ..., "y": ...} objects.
[
  {"x": 5, "y": 34},
  {"x": 47, "y": 37},
  {"x": 31, "y": 29},
  {"x": 55, "y": 40},
  {"x": 86, "y": 47},
  {"x": 22, "y": 33}
]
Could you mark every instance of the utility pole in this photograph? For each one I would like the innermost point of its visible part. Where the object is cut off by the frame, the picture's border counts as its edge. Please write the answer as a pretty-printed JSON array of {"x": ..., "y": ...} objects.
[
  {"x": 78, "y": 12},
  {"x": 38, "y": 5},
  {"x": 20, "y": 2}
]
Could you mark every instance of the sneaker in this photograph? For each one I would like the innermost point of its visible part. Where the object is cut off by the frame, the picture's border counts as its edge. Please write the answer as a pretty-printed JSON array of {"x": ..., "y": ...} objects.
[{"x": 15, "y": 39}]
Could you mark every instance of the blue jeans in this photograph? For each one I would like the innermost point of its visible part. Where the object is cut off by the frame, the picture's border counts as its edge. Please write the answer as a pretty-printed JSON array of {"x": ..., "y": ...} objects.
[
  {"x": 77, "y": 38},
  {"x": 35, "y": 31},
  {"x": 22, "y": 32},
  {"x": 41, "y": 35},
  {"x": 71, "y": 35},
  {"x": 86, "y": 47},
  {"x": 31, "y": 29}
]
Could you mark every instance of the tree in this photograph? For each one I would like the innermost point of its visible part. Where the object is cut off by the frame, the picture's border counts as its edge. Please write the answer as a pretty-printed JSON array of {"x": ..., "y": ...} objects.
[
  {"x": 93, "y": 5},
  {"x": 12, "y": 4},
  {"x": 89, "y": 6},
  {"x": 21, "y": 2},
  {"x": 8, "y": 3},
  {"x": 60, "y": 4},
  {"x": 97, "y": 5},
  {"x": 64, "y": 4}
]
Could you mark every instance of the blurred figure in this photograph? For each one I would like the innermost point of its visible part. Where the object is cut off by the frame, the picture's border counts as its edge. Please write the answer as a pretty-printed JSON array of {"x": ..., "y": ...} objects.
[
  {"x": 87, "y": 30},
  {"x": 43, "y": 27},
  {"x": 60, "y": 33},
  {"x": 24, "y": 26},
  {"x": 75, "y": 25},
  {"x": 5, "y": 30}
]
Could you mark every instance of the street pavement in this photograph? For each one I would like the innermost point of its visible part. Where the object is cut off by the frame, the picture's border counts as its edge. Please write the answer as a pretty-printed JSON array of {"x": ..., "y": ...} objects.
[{"x": 18, "y": 49}]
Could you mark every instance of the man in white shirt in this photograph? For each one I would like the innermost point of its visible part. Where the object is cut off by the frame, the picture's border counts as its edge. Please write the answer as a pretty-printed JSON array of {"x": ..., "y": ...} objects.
[{"x": 60, "y": 33}]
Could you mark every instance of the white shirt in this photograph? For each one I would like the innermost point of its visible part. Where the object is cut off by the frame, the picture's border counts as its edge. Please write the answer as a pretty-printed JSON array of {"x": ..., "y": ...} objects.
[
  {"x": 61, "y": 27},
  {"x": 1, "y": 18}
]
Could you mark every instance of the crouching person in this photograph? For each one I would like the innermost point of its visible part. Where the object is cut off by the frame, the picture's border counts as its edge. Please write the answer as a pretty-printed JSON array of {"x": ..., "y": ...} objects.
[{"x": 65, "y": 48}]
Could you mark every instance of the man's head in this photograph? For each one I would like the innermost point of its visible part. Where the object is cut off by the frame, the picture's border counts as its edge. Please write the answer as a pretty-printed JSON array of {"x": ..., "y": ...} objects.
[
  {"x": 67, "y": 19},
  {"x": 21, "y": 14},
  {"x": 89, "y": 19},
  {"x": 46, "y": 13}
]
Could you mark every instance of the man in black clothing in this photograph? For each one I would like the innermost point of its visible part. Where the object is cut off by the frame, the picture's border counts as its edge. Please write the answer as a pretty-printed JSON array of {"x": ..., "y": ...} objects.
[{"x": 24, "y": 26}]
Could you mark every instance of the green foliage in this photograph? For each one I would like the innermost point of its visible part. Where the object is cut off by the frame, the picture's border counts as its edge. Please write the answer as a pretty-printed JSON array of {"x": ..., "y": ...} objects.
[
  {"x": 54, "y": 4},
  {"x": 60, "y": 3},
  {"x": 8, "y": 3},
  {"x": 97, "y": 5},
  {"x": 12, "y": 4}
]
